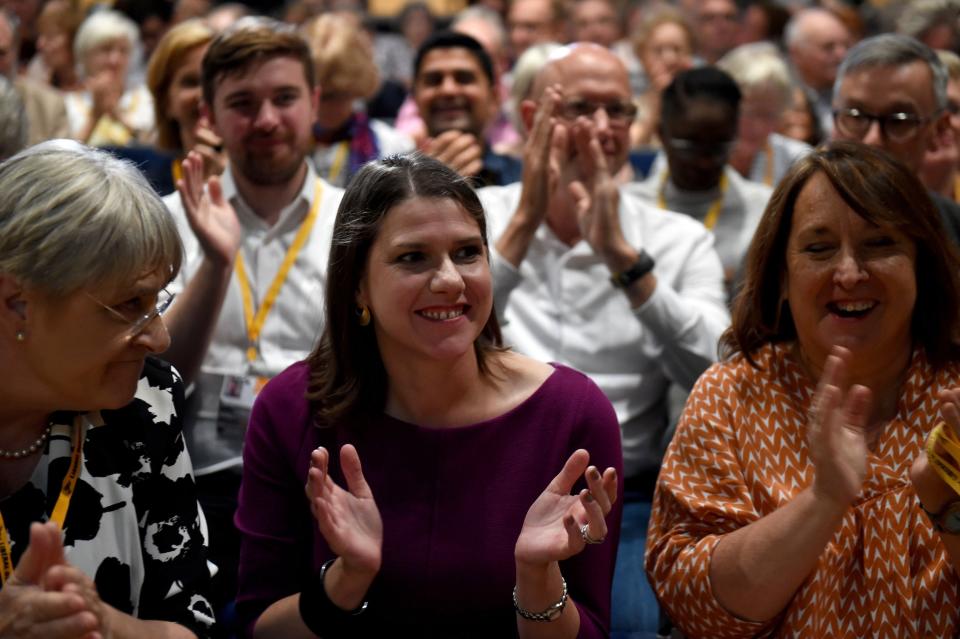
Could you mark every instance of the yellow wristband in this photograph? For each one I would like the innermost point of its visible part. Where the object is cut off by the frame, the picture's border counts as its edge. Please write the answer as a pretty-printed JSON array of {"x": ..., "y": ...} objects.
[{"x": 946, "y": 468}]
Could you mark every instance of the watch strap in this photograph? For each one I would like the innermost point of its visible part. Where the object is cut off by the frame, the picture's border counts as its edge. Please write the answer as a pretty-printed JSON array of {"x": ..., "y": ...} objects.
[
  {"x": 641, "y": 267},
  {"x": 938, "y": 519}
]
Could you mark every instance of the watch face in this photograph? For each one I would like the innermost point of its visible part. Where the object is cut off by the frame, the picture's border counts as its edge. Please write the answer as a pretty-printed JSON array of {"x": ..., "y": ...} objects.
[{"x": 950, "y": 519}]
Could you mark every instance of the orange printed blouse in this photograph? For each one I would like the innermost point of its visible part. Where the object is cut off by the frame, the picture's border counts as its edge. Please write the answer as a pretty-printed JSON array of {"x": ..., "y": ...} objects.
[{"x": 740, "y": 453}]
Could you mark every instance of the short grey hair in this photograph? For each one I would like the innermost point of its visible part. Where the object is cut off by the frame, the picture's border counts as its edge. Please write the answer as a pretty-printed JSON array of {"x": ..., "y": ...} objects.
[
  {"x": 73, "y": 217},
  {"x": 13, "y": 120},
  {"x": 759, "y": 65},
  {"x": 103, "y": 26},
  {"x": 919, "y": 16},
  {"x": 894, "y": 50}
]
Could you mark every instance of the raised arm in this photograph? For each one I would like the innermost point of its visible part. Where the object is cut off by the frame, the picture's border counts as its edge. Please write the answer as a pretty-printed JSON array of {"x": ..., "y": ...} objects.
[
  {"x": 707, "y": 535},
  {"x": 350, "y": 523},
  {"x": 756, "y": 570},
  {"x": 932, "y": 491},
  {"x": 193, "y": 317},
  {"x": 558, "y": 526},
  {"x": 685, "y": 322},
  {"x": 540, "y": 174}
]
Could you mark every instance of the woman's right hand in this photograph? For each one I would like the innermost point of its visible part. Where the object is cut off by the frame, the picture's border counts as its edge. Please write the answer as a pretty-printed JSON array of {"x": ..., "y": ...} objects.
[
  {"x": 349, "y": 520},
  {"x": 836, "y": 434},
  {"x": 27, "y": 610},
  {"x": 212, "y": 218}
]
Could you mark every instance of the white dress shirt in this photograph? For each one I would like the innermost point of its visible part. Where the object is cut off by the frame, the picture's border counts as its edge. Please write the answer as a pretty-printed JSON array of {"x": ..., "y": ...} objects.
[
  {"x": 561, "y": 306},
  {"x": 740, "y": 211},
  {"x": 291, "y": 328}
]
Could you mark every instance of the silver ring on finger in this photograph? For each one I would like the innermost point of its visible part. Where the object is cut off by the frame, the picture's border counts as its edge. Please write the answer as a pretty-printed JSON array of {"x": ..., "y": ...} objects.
[{"x": 585, "y": 535}]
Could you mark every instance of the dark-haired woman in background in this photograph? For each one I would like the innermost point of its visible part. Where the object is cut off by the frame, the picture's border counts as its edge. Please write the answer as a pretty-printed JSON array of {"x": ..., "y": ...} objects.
[
  {"x": 791, "y": 500},
  {"x": 470, "y": 451}
]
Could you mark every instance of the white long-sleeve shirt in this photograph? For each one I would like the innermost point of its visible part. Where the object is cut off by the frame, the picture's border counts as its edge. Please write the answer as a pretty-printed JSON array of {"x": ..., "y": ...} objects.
[{"x": 561, "y": 306}]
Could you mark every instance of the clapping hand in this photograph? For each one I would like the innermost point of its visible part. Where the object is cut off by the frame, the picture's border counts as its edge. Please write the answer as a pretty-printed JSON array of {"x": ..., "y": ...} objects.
[
  {"x": 349, "y": 520},
  {"x": 35, "y": 602},
  {"x": 459, "y": 150},
  {"x": 836, "y": 433},
  {"x": 210, "y": 146},
  {"x": 542, "y": 153},
  {"x": 105, "y": 89},
  {"x": 212, "y": 218},
  {"x": 931, "y": 489},
  {"x": 596, "y": 195},
  {"x": 559, "y": 524}
]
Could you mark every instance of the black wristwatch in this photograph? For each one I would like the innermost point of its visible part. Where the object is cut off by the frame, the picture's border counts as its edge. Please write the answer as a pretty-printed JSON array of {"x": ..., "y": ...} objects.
[
  {"x": 948, "y": 519},
  {"x": 641, "y": 267}
]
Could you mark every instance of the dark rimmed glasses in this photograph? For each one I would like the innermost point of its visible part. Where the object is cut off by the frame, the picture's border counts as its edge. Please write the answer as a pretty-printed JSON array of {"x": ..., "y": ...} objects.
[
  {"x": 897, "y": 127},
  {"x": 617, "y": 112}
]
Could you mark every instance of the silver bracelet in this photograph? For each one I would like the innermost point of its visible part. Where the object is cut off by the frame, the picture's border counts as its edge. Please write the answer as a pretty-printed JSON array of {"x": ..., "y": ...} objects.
[{"x": 552, "y": 612}]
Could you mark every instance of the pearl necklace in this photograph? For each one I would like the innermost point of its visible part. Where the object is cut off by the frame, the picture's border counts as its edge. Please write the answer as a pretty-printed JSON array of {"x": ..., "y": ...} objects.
[{"x": 28, "y": 450}]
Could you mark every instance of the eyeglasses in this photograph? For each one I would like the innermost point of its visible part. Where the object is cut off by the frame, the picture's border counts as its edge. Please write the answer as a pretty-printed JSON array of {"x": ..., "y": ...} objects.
[
  {"x": 132, "y": 312},
  {"x": 897, "y": 127},
  {"x": 689, "y": 148},
  {"x": 617, "y": 112}
]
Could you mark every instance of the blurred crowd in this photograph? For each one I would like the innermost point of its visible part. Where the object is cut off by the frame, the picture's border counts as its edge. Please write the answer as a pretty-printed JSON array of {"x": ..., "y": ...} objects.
[{"x": 652, "y": 183}]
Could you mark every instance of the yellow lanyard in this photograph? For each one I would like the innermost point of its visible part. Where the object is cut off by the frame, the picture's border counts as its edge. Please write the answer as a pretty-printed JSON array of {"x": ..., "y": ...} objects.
[
  {"x": 768, "y": 170},
  {"x": 713, "y": 214},
  {"x": 177, "y": 170},
  {"x": 945, "y": 467},
  {"x": 956, "y": 189},
  {"x": 256, "y": 318},
  {"x": 59, "y": 514},
  {"x": 338, "y": 161}
]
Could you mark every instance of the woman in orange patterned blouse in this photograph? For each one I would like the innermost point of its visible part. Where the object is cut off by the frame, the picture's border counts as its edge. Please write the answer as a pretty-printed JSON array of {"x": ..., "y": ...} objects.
[{"x": 793, "y": 507}]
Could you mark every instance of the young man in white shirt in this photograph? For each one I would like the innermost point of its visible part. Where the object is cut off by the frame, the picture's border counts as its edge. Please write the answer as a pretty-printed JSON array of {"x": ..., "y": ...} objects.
[{"x": 250, "y": 293}]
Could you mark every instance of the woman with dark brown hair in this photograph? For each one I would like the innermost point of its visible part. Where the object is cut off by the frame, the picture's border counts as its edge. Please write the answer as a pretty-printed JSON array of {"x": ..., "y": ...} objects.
[
  {"x": 470, "y": 451},
  {"x": 791, "y": 500}
]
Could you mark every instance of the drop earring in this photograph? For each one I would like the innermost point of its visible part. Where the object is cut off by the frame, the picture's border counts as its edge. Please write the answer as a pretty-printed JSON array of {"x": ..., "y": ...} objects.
[
  {"x": 363, "y": 315},
  {"x": 21, "y": 336}
]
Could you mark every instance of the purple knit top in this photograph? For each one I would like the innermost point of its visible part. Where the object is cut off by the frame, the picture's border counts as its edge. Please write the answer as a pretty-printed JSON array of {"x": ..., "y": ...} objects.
[{"x": 452, "y": 502}]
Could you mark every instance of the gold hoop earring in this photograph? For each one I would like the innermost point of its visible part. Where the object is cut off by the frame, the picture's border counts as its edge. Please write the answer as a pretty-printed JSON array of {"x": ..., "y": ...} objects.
[{"x": 363, "y": 315}]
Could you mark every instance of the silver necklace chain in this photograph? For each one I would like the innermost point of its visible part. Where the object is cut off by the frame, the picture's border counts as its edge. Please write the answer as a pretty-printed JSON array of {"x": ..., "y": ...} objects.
[{"x": 26, "y": 451}]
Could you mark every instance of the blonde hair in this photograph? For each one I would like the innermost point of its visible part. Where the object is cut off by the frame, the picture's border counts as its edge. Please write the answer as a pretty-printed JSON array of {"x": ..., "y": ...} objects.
[
  {"x": 653, "y": 18},
  {"x": 342, "y": 57},
  {"x": 951, "y": 61},
  {"x": 758, "y": 65},
  {"x": 73, "y": 217},
  {"x": 167, "y": 58}
]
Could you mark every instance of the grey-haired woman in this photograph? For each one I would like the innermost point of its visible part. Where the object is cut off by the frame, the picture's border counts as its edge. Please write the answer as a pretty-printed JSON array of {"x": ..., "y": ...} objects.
[{"x": 100, "y": 532}]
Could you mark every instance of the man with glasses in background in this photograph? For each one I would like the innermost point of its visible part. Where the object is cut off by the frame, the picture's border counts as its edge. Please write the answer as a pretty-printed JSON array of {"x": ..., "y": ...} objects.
[
  {"x": 891, "y": 93},
  {"x": 698, "y": 126},
  {"x": 587, "y": 275}
]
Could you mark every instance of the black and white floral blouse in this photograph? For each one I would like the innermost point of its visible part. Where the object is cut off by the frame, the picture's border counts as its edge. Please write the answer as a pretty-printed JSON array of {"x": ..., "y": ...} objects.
[{"x": 133, "y": 524}]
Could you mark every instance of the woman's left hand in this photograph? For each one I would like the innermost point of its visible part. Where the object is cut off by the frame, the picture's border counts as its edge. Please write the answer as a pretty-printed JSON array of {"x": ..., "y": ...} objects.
[
  {"x": 551, "y": 529},
  {"x": 70, "y": 579},
  {"x": 932, "y": 491}
]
